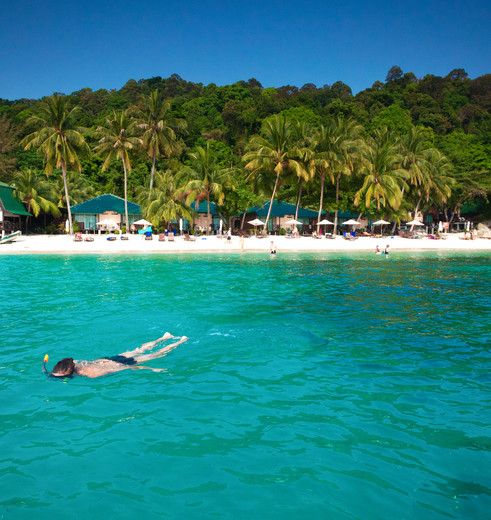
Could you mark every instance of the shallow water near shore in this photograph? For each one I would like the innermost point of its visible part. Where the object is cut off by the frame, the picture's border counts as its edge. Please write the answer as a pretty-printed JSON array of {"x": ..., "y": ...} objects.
[{"x": 329, "y": 385}]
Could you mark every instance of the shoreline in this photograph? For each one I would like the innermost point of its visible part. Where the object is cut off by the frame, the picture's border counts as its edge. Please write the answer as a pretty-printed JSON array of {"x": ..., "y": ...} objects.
[{"x": 136, "y": 244}]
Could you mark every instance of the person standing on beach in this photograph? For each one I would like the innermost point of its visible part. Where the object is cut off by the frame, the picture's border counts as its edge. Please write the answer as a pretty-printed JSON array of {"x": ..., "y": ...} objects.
[
  {"x": 386, "y": 251},
  {"x": 229, "y": 236},
  {"x": 241, "y": 243},
  {"x": 272, "y": 248}
]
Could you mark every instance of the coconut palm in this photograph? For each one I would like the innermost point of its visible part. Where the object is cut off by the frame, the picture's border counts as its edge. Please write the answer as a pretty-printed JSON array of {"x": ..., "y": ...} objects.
[
  {"x": 207, "y": 178},
  {"x": 79, "y": 187},
  {"x": 59, "y": 139},
  {"x": 273, "y": 153},
  {"x": 384, "y": 177},
  {"x": 304, "y": 154},
  {"x": 159, "y": 136},
  {"x": 435, "y": 185},
  {"x": 117, "y": 141},
  {"x": 337, "y": 148},
  {"x": 164, "y": 202},
  {"x": 35, "y": 192}
]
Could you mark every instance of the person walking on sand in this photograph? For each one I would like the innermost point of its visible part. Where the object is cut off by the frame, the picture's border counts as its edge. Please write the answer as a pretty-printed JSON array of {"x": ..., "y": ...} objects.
[{"x": 130, "y": 360}]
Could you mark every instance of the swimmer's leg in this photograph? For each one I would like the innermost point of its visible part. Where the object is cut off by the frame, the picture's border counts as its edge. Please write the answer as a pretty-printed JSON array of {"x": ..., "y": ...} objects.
[
  {"x": 160, "y": 353},
  {"x": 147, "y": 346},
  {"x": 143, "y": 367}
]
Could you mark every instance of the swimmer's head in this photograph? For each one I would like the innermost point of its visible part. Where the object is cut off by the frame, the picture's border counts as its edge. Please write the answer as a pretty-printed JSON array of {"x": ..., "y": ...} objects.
[{"x": 64, "y": 368}]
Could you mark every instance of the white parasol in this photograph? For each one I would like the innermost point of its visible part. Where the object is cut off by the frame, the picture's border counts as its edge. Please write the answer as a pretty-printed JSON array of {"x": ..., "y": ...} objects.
[
  {"x": 142, "y": 222},
  {"x": 256, "y": 222},
  {"x": 325, "y": 222},
  {"x": 351, "y": 222},
  {"x": 294, "y": 222},
  {"x": 414, "y": 223}
]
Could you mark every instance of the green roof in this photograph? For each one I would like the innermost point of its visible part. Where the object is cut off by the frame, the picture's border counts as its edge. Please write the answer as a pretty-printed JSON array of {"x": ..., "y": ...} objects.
[
  {"x": 106, "y": 203},
  {"x": 9, "y": 202},
  {"x": 280, "y": 209}
]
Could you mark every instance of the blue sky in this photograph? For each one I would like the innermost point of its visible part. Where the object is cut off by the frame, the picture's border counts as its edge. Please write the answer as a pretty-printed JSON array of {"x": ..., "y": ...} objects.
[{"x": 54, "y": 46}]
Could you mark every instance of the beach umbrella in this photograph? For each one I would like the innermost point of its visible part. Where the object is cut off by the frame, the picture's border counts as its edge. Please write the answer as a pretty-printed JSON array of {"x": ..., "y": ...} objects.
[
  {"x": 256, "y": 222},
  {"x": 440, "y": 226},
  {"x": 142, "y": 222},
  {"x": 414, "y": 223},
  {"x": 221, "y": 226},
  {"x": 294, "y": 222},
  {"x": 380, "y": 223},
  {"x": 351, "y": 222},
  {"x": 67, "y": 226},
  {"x": 180, "y": 226},
  {"x": 325, "y": 222}
]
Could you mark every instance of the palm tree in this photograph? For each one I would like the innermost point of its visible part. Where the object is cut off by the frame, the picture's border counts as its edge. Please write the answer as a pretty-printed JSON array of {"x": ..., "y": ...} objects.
[
  {"x": 435, "y": 185},
  {"x": 272, "y": 153},
  {"x": 159, "y": 135},
  {"x": 384, "y": 177},
  {"x": 59, "y": 139},
  {"x": 35, "y": 192},
  {"x": 303, "y": 153},
  {"x": 206, "y": 178},
  {"x": 164, "y": 202},
  {"x": 79, "y": 187},
  {"x": 116, "y": 142}
]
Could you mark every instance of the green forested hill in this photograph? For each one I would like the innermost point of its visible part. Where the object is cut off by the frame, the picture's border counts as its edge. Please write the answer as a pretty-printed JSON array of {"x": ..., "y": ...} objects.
[{"x": 452, "y": 111}]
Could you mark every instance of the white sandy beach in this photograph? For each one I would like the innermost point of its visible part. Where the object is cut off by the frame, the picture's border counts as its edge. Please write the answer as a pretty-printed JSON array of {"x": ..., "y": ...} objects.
[{"x": 64, "y": 244}]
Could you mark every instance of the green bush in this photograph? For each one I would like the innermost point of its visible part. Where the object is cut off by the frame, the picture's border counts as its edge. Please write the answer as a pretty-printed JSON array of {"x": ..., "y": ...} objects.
[{"x": 282, "y": 231}]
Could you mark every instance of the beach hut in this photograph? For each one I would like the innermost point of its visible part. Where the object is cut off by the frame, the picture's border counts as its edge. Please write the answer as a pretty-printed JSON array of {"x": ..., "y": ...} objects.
[
  {"x": 281, "y": 214},
  {"x": 104, "y": 208},
  {"x": 11, "y": 210}
]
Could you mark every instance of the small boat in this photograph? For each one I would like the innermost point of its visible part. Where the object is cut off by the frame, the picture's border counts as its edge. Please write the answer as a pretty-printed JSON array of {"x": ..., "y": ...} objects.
[{"x": 10, "y": 238}]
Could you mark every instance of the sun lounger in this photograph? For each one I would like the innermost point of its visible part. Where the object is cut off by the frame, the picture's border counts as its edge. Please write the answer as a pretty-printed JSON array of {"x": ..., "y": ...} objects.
[
  {"x": 170, "y": 237},
  {"x": 188, "y": 238},
  {"x": 348, "y": 236},
  {"x": 89, "y": 239},
  {"x": 78, "y": 237},
  {"x": 123, "y": 237},
  {"x": 112, "y": 238},
  {"x": 161, "y": 237}
]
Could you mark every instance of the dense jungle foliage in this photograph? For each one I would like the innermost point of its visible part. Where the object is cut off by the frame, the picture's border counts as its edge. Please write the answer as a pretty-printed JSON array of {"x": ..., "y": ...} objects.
[{"x": 400, "y": 146}]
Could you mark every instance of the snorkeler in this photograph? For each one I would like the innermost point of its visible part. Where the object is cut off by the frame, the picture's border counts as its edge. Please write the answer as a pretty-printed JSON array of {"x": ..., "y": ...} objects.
[{"x": 131, "y": 360}]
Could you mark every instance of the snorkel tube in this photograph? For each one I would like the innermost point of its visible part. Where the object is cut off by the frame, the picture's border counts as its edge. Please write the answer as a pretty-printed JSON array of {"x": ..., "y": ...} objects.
[{"x": 46, "y": 359}]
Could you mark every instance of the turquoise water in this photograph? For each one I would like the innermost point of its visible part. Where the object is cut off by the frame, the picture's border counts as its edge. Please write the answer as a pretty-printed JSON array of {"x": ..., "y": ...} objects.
[{"x": 316, "y": 386}]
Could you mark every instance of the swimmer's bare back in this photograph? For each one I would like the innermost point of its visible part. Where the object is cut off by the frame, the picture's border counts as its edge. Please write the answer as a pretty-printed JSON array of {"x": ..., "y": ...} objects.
[{"x": 129, "y": 360}]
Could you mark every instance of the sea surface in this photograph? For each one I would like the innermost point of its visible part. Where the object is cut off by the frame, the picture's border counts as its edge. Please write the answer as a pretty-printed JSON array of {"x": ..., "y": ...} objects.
[{"x": 312, "y": 386}]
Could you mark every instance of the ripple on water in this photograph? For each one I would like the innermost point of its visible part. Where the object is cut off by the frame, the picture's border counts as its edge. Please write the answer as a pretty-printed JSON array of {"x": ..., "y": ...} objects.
[{"x": 328, "y": 385}]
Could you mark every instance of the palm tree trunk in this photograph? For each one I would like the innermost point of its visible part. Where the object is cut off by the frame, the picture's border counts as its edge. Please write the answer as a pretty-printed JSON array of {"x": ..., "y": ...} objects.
[
  {"x": 415, "y": 212},
  {"x": 336, "y": 213},
  {"x": 320, "y": 203},
  {"x": 271, "y": 201},
  {"x": 208, "y": 214},
  {"x": 126, "y": 196},
  {"x": 65, "y": 184},
  {"x": 299, "y": 197},
  {"x": 153, "y": 167}
]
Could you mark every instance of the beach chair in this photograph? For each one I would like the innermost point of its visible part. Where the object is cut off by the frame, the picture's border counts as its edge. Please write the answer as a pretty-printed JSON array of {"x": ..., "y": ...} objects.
[
  {"x": 161, "y": 237},
  {"x": 170, "y": 237},
  {"x": 188, "y": 238},
  {"x": 78, "y": 237},
  {"x": 148, "y": 235},
  {"x": 123, "y": 237},
  {"x": 348, "y": 236},
  {"x": 89, "y": 239},
  {"x": 111, "y": 238}
]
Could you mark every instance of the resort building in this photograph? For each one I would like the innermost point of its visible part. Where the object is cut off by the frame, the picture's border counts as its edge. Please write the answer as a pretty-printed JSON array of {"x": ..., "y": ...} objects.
[
  {"x": 281, "y": 213},
  {"x": 11, "y": 210},
  {"x": 105, "y": 212}
]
